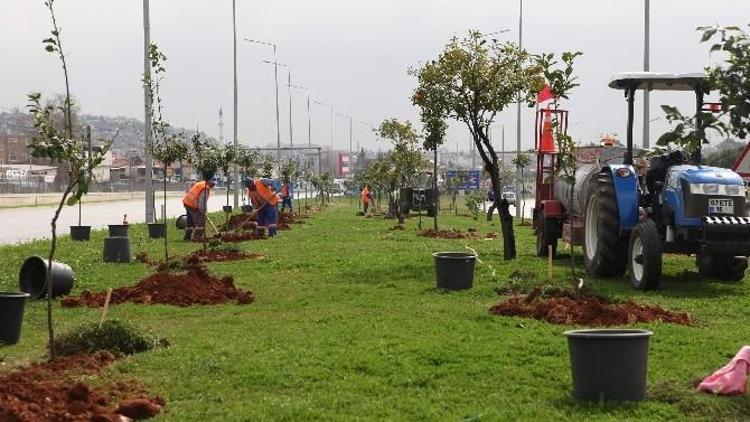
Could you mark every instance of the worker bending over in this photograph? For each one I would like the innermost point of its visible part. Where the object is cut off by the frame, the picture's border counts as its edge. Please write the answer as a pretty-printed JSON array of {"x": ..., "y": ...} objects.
[
  {"x": 196, "y": 207},
  {"x": 264, "y": 200}
]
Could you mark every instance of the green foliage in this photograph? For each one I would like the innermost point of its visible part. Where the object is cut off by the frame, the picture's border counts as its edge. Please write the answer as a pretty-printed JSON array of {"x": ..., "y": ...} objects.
[
  {"x": 474, "y": 202},
  {"x": 249, "y": 162},
  {"x": 226, "y": 155},
  {"x": 267, "y": 165},
  {"x": 732, "y": 77},
  {"x": 560, "y": 79},
  {"x": 405, "y": 158},
  {"x": 205, "y": 155},
  {"x": 724, "y": 158},
  {"x": 291, "y": 171},
  {"x": 685, "y": 134},
  {"x": 114, "y": 336}
]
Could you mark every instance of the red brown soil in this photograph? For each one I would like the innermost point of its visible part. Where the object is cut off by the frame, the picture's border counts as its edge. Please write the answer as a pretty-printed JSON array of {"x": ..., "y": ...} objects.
[
  {"x": 561, "y": 307},
  {"x": 447, "y": 234},
  {"x": 196, "y": 287},
  {"x": 234, "y": 237},
  {"x": 283, "y": 226},
  {"x": 492, "y": 235},
  {"x": 213, "y": 255},
  {"x": 50, "y": 391}
]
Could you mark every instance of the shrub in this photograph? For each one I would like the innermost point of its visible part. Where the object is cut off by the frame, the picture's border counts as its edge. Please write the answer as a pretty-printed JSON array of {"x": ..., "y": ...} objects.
[{"x": 116, "y": 337}]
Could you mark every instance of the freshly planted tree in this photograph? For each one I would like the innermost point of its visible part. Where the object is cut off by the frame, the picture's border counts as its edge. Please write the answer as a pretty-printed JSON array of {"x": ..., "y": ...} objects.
[
  {"x": 471, "y": 81},
  {"x": 434, "y": 128},
  {"x": 453, "y": 183},
  {"x": 167, "y": 147},
  {"x": 60, "y": 147},
  {"x": 290, "y": 173},
  {"x": 406, "y": 158},
  {"x": 266, "y": 166},
  {"x": 249, "y": 163},
  {"x": 227, "y": 156},
  {"x": 205, "y": 158}
]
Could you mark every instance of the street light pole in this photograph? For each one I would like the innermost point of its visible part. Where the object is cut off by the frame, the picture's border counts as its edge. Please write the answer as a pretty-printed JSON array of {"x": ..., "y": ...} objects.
[
  {"x": 291, "y": 134},
  {"x": 309, "y": 124},
  {"x": 276, "y": 81},
  {"x": 332, "y": 123},
  {"x": 518, "y": 105},
  {"x": 236, "y": 172},
  {"x": 148, "y": 102},
  {"x": 646, "y": 67}
]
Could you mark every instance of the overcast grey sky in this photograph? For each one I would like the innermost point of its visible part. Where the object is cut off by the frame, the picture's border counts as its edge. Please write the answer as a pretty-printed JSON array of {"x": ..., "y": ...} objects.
[{"x": 353, "y": 54}]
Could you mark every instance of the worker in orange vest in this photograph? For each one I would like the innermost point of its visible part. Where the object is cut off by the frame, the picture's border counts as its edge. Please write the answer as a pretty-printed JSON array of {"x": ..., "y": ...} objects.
[
  {"x": 196, "y": 207},
  {"x": 264, "y": 200},
  {"x": 286, "y": 197},
  {"x": 366, "y": 197}
]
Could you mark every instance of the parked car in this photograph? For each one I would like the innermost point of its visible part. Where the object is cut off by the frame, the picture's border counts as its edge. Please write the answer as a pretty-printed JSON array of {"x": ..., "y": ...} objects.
[{"x": 510, "y": 197}]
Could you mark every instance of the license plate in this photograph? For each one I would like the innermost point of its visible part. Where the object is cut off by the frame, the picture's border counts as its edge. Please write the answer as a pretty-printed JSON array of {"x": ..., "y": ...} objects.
[{"x": 720, "y": 206}]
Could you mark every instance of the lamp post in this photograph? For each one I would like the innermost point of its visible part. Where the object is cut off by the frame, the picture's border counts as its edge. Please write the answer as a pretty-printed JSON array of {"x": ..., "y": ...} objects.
[
  {"x": 518, "y": 104},
  {"x": 236, "y": 169},
  {"x": 309, "y": 123},
  {"x": 646, "y": 67},
  {"x": 148, "y": 102},
  {"x": 276, "y": 81},
  {"x": 330, "y": 107},
  {"x": 276, "y": 65}
]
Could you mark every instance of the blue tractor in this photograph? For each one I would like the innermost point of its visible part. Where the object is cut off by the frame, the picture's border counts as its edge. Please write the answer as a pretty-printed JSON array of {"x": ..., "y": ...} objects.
[{"x": 626, "y": 217}]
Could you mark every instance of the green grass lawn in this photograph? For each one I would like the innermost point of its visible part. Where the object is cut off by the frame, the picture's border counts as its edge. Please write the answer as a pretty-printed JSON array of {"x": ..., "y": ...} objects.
[{"x": 348, "y": 325}]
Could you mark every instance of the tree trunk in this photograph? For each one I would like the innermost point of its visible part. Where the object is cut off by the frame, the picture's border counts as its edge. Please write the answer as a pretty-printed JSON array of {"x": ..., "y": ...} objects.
[
  {"x": 164, "y": 221},
  {"x": 506, "y": 220},
  {"x": 48, "y": 280}
]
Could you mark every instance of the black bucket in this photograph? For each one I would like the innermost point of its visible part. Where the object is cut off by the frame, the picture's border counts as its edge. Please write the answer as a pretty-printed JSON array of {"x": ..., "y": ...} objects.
[
  {"x": 157, "y": 230},
  {"x": 118, "y": 230},
  {"x": 117, "y": 250},
  {"x": 247, "y": 208},
  {"x": 11, "y": 317},
  {"x": 181, "y": 222},
  {"x": 609, "y": 364},
  {"x": 80, "y": 233},
  {"x": 33, "y": 276},
  {"x": 227, "y": 209},
  {"x": 454, "y": 270}
]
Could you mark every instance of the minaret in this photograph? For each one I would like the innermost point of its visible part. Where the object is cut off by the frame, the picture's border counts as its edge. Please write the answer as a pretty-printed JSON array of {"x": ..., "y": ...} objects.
[{"x": 221, "y": 125}]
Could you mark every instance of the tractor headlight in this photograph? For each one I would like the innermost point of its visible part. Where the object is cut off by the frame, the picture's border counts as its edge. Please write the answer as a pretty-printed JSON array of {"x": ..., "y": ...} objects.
[{"x": 716, "y": 189}]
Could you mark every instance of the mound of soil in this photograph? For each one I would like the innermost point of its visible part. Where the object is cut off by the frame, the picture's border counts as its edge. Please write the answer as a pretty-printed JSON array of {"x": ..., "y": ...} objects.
[
  {"x": 561, "y": 307},
  {"x": 242, "y": 222},
  {"x": 196, "y": 287},
  {"x": 492, "y": 235},
  {"x": 283, "y": 226},
  {"x": 49, "y": 391},
  {"x": 213, "y": 255},
  {"x": 447, "y": 234},
  {"x": 234, "y": 237}
]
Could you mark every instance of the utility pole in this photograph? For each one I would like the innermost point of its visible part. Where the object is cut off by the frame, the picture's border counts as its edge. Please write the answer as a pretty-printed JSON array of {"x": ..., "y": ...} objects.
[
  {"x": 236, "y": 146},
  {"x": 350, "y": 146},
  {"x": 518, "y": 105},
  {"x": 278, "y": 124},
  {"x": 148, "y": 100},
  {"x": 646, "y": 67},
  {"x": 291, "y": 134}
]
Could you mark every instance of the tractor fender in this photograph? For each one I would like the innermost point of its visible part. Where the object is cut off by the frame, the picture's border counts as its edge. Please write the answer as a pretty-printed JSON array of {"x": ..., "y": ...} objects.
[
  {"x": 626, "y": 192},
  {"x": 551, "y": 208}
]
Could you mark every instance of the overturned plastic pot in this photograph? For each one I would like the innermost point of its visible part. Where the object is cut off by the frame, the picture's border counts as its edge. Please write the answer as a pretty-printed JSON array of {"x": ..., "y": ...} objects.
[
  {"x": 227, "y": 209},
  {"x": 609, "y": 364},
  {"x": 454, "y": 270},
  {"x": 157, "y": 230},
  {"x": 11, "y": 316},
  {"x": 80, "y": 233},
  {"x": 247, "y": 208},
  {"x": 117, "y": 250},
  {"x": 118, "y": 230},
  {"x": 32, "y": 278}
]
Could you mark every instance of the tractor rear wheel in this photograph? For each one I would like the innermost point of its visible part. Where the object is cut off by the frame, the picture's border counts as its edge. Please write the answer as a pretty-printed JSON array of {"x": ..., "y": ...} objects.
[
  {"x": 546, "y": 236},
  {"x": 604, "y": 251},
  {"x": 725, "y": 268},
  {"x": 644, "y": 256}
]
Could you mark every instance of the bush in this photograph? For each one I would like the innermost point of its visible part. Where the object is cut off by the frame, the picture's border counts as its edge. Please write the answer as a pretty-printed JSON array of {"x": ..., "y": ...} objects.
[{"x": 116, "y": 337}]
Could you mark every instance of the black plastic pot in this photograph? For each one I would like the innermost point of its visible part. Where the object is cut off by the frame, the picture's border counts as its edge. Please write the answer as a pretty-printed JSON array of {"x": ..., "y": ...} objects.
[
  {"x": 609, "y": 364},
  {"x": 181, "y": 222},
  {"x": 247, "y": 208},
  {"x": 227, "y": 209},
  {"x": 33, "y": 276},
  {"x": 157, "y": 230},
  {"x": 454, "y": 270},
  {"x": 117, "y": 250},
  {"x": 11, "y": 316},
  {"x": 80, "y": 233},
  {"x": 118, "y": 230}
]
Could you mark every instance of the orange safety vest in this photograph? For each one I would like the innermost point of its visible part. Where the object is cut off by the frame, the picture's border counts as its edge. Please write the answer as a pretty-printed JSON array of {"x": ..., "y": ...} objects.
[
  {"x": 285, "y": 190},
  {"x": 193, "y": 194},
  {"x": 365, "y": 196},
  {"x": 263, "y": 194}
]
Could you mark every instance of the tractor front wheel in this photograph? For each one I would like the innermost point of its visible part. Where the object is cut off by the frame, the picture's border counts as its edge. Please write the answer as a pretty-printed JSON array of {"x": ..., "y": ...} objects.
[
  {"x": 604, "y": 251},
  {"x": 644, "y": 257}
]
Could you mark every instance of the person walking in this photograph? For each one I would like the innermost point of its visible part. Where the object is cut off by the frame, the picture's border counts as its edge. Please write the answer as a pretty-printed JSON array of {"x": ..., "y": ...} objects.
[
  {"x": 366, "y": 198},
  {"x": 196, "y": 207},
  {"x": 286, "y": 197},
  {"x": 264, "y": 200}
]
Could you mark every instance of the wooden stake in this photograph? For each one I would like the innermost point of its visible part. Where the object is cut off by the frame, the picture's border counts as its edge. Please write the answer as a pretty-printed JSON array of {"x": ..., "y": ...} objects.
[
  {"x": 106, "y": 306},
  {"x": 549, "y": 262}
]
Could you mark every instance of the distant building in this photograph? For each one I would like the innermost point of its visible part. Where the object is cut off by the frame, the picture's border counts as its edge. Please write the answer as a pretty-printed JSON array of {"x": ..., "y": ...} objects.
[{"x": 14, "y": 149}]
